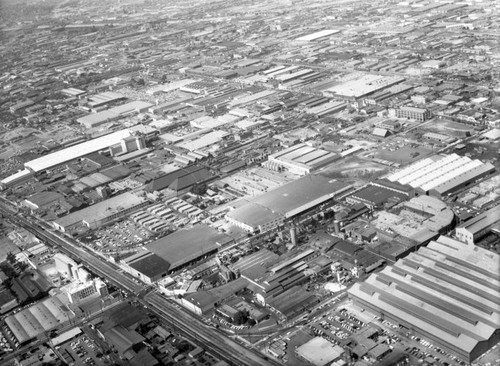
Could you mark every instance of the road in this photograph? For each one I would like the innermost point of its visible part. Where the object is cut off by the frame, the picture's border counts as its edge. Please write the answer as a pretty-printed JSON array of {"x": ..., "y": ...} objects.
[
  {"x": 209, "y": 338},
  {"x": 205, "y": 334}
]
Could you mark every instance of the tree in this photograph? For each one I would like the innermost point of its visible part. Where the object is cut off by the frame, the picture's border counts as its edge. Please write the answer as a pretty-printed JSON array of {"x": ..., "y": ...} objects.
[
  {"x": 11, "y": 258},
  {"x": 199, "y": 188},
  {"x": 183, "y": 346}
]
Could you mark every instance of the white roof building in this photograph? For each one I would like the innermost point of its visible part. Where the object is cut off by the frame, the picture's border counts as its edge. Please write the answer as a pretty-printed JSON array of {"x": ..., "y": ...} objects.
[{"x": 74, "y": 152}]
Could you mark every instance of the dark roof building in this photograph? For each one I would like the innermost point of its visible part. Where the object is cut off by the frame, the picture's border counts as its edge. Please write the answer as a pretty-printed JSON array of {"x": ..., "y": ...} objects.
[
  {"x": 181, "y": 179},
  {"x": 447, "y": 292},
  {"x": 122, "y": 339},
  {"x": 187, "y": 246},
  {"x": 376, "y": 196},
  {"x": 270, "y": 209},
  {"x": 147, "y": 266}
]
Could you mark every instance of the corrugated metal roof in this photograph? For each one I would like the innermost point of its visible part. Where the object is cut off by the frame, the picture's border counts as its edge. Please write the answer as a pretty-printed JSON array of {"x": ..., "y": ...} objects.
[{"x": 448, "y": 291}]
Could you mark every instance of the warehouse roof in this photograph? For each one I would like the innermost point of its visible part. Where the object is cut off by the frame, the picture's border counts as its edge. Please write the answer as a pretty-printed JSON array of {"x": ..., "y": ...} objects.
[
  {"x": 206, "y": 299},
  {"x": 184, "y": 246},
  {"x": 122, "y": 338},
  {"x": 300, "y": 194},
  {"x": 45, "y": 198},
  {"x": 180, "y": 179},
  {"x": 35, "y": 320},
  {"x": 76, "y": 151},
  {"x": 253, "y": 215},
  {"x": 95, "y": 119},
  {"x": 150, "y": 265},
  {"x": 482, "y": 221},
  {"x": 441, "y": 173},
  {"x": 377, "y": 195},
  {"x": 101, "y": 210},
  {"x": 288, "y": 200},
  {"x": 358, "y": 85},
  {"x": 318, "y": 35},
  {"x": 319, "y": 351},
  {"x": 448, "y": 290}
]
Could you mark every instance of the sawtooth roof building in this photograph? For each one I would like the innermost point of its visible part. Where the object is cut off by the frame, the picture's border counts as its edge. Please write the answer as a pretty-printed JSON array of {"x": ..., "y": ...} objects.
[
  {"x": 38, "y": 319},
  {"x": 440, "y": 175},
  {"x": 300, "y": 159},
  {"x": 447, "y": 293}
]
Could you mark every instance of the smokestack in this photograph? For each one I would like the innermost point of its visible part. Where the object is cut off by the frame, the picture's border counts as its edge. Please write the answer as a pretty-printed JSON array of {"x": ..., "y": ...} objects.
[
  {"x": 293, "y": 235},
  {"x": 336, "y": 226}
]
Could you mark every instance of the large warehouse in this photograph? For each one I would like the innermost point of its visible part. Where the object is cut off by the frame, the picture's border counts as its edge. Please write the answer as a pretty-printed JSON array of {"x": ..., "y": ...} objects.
[
  {"x": 38, "y": 319},
  {"x": 440, "y": 175},
  {"x": 271, "y": 209},
  {"x": 447, "y": 293},
  {"x": 187, "y": 246},
  {"x": 300, "y": 159},
  {"x": 77, "y": 151},
  {"x": 96, "y": 119},
  {"x": 358, "y": 85},
  {"x": 102, "y": 212}
]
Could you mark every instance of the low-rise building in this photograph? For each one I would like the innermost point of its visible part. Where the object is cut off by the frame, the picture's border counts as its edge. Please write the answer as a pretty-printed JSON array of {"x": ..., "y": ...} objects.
[{"x": 476, "y": 228}]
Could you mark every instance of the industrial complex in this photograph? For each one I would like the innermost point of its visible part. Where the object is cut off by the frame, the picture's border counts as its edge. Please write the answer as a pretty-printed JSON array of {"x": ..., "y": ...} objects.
[
  {"x": 250, "y": 183},
  {"x": 446, "y": 292},
  {"x": 442, "y": 175},
  {"x": 273, "y": 208}
]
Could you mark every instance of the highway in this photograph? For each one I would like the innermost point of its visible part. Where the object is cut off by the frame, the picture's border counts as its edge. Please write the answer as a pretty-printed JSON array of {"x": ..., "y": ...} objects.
[{"x": 211, "y": 339}]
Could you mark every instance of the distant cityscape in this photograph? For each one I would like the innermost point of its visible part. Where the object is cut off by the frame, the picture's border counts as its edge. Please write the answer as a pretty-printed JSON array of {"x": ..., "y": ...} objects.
[{"x": 215, "y": 183}]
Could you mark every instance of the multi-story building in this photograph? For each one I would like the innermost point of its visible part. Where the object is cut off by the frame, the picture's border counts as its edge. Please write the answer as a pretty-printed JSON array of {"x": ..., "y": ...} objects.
[
  {"x": 79, "y": 292},
  {"x": 418, "y": 114}
]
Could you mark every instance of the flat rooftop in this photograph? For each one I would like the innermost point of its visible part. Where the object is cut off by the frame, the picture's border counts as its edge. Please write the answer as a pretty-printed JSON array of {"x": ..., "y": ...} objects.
[
  {"x": 301, "y": 193},
  {"x": 102, "y": 210},
  {"x": 187, "y": 245},
  {"x": 288, "y": 200},
  {"x": 76, "y": 151},
  {"x": 319, "y": 351},
  {"x": 361, "y": 85}
]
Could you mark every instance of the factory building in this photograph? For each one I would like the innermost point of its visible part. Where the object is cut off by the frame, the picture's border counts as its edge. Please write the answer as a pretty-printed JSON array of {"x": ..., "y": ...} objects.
[
  {"x": 101, "y": 213},
  {"x": 356, "y": 86},
  {"x": 273, "y": 208},
  {"x": 96, "y": 119},
  {"x": 16, "y": 178},
  {"x": 375, "y": 197},
  {"x": 146, "y": 266},
  {"x": 300, "y": 159},
  {"x": 185, "y": 247},
  {"x": 181, "y": 179},
  {"x": 476, "y": 228},
  {"x": 38, "y": 319},
  {"x": 446, "y": 293},
  {"x": 440, "y": 175},
  {"x": 74, "y": 152}
]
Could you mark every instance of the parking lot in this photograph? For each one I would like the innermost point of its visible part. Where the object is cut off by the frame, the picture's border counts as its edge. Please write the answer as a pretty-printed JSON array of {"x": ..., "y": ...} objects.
[
  {"x": 82, "y": 351},
  {"x": 121, "y": 236},
  {"x": 413, "y": 345}
]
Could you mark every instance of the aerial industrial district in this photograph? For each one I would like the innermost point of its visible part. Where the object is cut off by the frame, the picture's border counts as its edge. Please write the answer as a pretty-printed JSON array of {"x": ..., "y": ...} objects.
[{"x": 251, "y": 183}]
